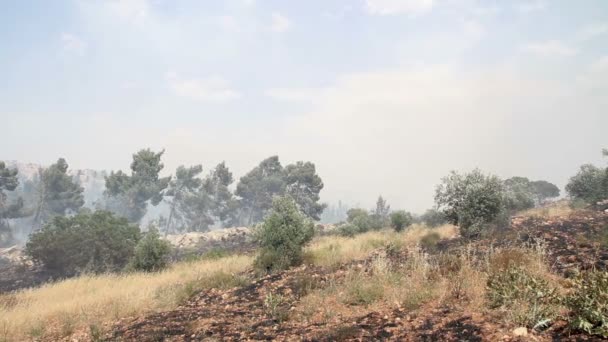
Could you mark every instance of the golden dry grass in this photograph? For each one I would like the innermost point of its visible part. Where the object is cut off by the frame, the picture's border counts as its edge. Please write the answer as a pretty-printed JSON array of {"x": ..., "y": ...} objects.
[
  {"x": 95, "y": 300},
  {"x": 558, "y": 209},
  {"x": 441, "y": 278},
  {"x": 331, "y": 251},
  {"x": 87, "y": 302}
]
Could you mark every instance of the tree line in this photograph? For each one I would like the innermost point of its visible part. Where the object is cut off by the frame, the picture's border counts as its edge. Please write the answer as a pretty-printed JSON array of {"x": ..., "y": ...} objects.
[{"x": 195, "y": 202}]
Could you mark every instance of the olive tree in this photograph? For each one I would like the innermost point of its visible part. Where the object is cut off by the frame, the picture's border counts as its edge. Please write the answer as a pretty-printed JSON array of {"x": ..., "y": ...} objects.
[{"x": 472, "y": 201}]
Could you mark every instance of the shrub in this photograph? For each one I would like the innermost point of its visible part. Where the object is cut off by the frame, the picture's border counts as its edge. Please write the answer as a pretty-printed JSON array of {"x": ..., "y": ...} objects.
[
  {"x": 361, "y": 290},
  {"x": 361, "y": 219},
  {"x": 429, "y": 241},
  {"x": 151, "y": 253},
  {"x": 98, "y": 242},
  {"x": 590, "y": 184},
  {"x": 471, "y": 201},
  {"x": 433, "y": 218},
  {"x": 282, "y": 236},
  {"x": 348, "y": 230},
  {"x": 527, "y": 299},
  {"x": 400, "y": 220},
  {"x": 588, "y": 303},
  {"x": 518, "y": 194}
]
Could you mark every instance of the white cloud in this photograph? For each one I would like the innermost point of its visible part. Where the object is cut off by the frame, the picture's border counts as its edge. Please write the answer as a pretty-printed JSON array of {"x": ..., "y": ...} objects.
[
  {"x": 591, "y": 31},
  {"x": 132, "y": 10},
  {"x": 295, "y": 94},
  {"x": 600, "y": 65},
  {"x": 213, "y": 89},
  {"x": 280, "y": 23},
  {"x": 389, "y": 7},
  {"x": 551, "y": 48},
  {"x": 73, "y": 44},
  {"x": 529, "y": 6},
  {"x": 229, "y": 23}
]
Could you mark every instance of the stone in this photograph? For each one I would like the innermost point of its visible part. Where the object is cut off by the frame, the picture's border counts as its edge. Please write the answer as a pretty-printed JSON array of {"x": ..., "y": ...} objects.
[{"x": 521, "y": 331}]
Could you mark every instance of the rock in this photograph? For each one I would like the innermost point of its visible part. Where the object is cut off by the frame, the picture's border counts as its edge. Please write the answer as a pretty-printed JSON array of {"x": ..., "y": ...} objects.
[{"x": 521, "y": 331}]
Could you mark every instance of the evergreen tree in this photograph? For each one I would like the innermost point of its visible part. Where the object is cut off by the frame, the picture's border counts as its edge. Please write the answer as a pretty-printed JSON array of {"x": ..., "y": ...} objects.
[
  {"x": 304, "y": 185},
  {"x": 57, "y": 193},
  {"x": 128, "y": 195},
  {"x": 185, "y": 184},
  {"x": 223, "y": 204}
]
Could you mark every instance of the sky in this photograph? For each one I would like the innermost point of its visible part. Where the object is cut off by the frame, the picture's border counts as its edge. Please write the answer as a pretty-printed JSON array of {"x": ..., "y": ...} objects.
[{"x": 384, "y": 96}]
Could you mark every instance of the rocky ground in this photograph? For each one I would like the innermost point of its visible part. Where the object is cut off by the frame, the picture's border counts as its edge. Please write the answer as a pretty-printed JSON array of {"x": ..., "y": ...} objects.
[{"x": 242, "y": 314}]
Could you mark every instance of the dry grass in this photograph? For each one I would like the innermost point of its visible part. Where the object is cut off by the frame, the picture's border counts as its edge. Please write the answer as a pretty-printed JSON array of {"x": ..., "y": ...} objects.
[
  {"x": 558, "y": 209},
  {"x": 90, "y": 302},
  {"x": 94, "y": 300},
  {"x": 331, "y": 251}
]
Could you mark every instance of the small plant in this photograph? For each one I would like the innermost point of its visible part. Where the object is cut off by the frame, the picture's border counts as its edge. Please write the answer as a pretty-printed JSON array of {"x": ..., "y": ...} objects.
[
  {"x": 348, "y": 230},
  {"x": 282, "y": 236},
  {"x": 361, "y": 219},
  {"x": 429, "y": 241},
  {"x": 527, "y": 299},
  {"x": 588, "y": 303},
  {"x": 151, "y": 253},
  {"x": 274, "y": 307},
  {"x": 401, "y": 220},
  {"x": 96, "y": 332},
  {"x": 361, "y": 290}
]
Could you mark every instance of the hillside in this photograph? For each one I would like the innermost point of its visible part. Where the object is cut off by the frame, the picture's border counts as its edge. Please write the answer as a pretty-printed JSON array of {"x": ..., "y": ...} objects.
[{"x": 376, "y": 286}]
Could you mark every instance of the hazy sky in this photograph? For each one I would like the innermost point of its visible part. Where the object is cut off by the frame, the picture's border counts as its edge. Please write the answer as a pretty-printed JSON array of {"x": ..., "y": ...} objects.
[{"x": 385, "y": 96}]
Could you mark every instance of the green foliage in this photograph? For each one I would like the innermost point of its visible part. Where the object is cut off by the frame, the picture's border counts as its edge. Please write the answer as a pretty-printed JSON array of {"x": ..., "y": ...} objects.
[
  {"x": 57, "y": 193},
  {"x": 97, "y": 242},
  {"x": 222, "y": 203},
  {"x": 348, "y": 230},
  {"x": 429, "y": 241},
  {"x": 180, "y": 189},
  {"x": 544, "y": 190},
  {"x": 518, "y": 194},
  {"x": 362, "y": 290},
  {"x": 433, "y": 218},
  {"x": 380, "y": 215},
  {"x": 128, "y": 195},
  {"x": 401, "y": 220},
  {"x": 282, "y": 236},
  {"x": 590, "y": 184},
  {"x": 527, "y": 299},
  {"x": 258, "y": 187},
  {"x": 269, "y": 179},
  {"x": 472, "y": 201},
  {"x": 276, "y": 307},
  {"x": 8, "y": 182},
  {"x": 8, "y": 179},
  {"x": 359, "y": 218},
  {"x": 151, "y": 253},
  {"x": 304, "y": 185},
  {"x": 588, "y": 303}
]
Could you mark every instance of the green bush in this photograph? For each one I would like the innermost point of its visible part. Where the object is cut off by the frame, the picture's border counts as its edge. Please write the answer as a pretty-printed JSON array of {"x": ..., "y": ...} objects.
[
  {"x": 151, "y": 253},
  {"x": 590, "y": 184},
  {"x": 588, "y": 303},
  {"x": 282, "y": 236},
  {"x": 348, "y": 230},
  {"x": 429, "y": 241},
  {"x": 97, "y": 242},
  {"x": 528, "y": 300},
  {"x": 361, "y": 219},
  {"x": 400, "y": 220},
  {"x": 473, "y": 201},
  {"x": 433, "y": 218}
]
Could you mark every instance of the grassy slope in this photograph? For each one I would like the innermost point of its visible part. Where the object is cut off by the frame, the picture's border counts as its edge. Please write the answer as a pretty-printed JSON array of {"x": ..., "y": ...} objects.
[{"x": 60, "y": 308}]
